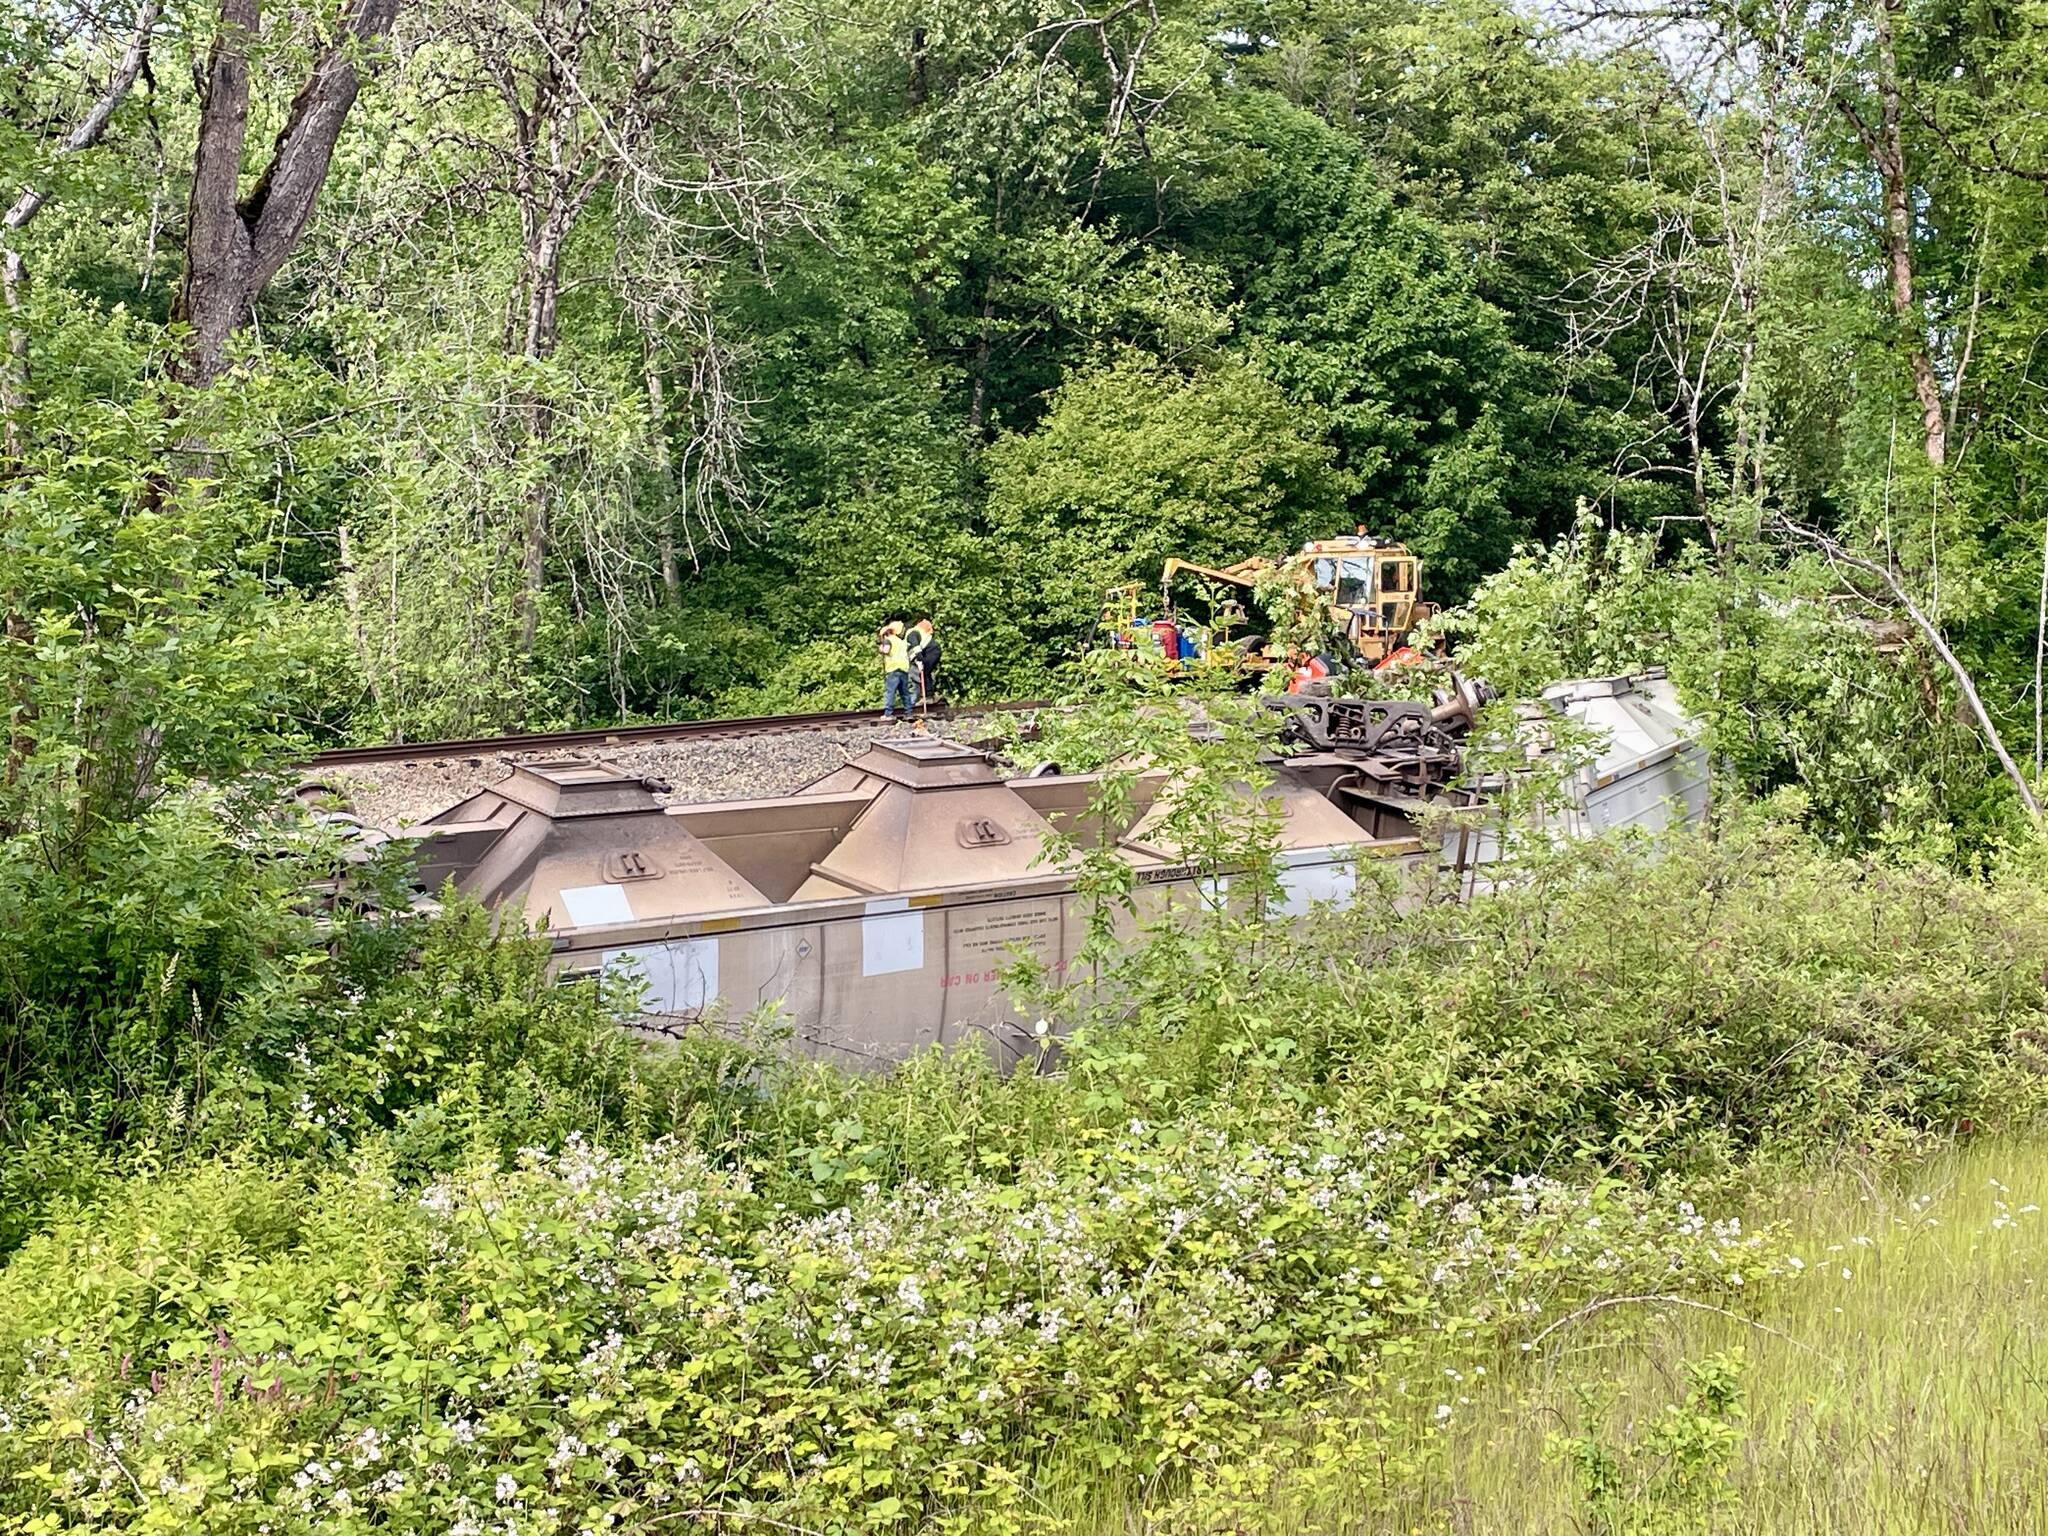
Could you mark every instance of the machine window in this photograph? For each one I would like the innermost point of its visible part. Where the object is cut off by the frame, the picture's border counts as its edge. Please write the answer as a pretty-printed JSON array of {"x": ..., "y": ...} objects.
[{"x": 1354, "y": 584}]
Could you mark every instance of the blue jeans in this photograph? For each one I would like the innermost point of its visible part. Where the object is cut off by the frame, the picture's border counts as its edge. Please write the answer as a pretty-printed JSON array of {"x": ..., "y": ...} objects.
[{"x": 895, "y": 685}]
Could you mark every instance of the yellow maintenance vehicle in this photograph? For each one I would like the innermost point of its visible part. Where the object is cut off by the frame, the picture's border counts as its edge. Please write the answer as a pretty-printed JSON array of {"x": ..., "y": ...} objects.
[{"x": 1362, "y": 592}]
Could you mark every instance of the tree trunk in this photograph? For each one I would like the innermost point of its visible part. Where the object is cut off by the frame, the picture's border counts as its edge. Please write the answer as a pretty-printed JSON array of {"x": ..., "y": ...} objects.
[
  {"x": 16, "y": 634},
  {"x": 235, "y": 245},
  {"x": 212, "y": 289},
  {"x": 2040, "y": 648},
  {"x": 543, "y": 287},
  {"x": 543, "y": 281},
  {"x": 919, "y": 51},
  {"x": 1890, "y": 155},
  {"x": 977, "y": 403},
  {"x": 533, "y": 566},
  {"x": 1696, "y": 448},
  {"x": 14, "y": 362},
  {"x": 352, "y": 598},
  {"x": 657, "y": 408}
]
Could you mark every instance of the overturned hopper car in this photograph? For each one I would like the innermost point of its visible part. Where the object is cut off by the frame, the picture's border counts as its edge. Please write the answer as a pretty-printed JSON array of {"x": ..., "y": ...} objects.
[{"x": 875, "y": 907}]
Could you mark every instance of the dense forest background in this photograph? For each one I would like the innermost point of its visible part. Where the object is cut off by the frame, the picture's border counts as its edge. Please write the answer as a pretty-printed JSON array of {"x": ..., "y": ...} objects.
[{"x": 428, "y": 367}]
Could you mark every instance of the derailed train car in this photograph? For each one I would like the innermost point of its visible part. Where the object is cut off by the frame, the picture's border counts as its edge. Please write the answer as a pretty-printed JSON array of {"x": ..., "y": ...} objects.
[{"x": 875, "y": 908}]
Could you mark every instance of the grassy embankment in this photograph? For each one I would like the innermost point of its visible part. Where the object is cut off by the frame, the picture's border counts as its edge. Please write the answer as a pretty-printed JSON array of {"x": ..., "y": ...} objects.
[{"x": 1898, "y": 1384}]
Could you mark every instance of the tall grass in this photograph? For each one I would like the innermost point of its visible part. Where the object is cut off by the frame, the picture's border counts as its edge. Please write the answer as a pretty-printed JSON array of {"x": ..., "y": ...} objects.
[{"x": 1898, "y": 1383}]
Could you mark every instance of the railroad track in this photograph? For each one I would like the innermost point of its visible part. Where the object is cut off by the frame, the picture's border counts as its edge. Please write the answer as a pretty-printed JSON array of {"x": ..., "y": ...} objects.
[{"x": 636, "y": 735}]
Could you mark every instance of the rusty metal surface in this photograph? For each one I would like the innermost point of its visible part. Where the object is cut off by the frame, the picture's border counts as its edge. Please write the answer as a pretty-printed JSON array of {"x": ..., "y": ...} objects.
[
  {"x": 876, "y": 908},
  {"x": 578, "y": 844},
  {"x": 939, "y": 817},
  {"x": 1306, "y": 820},
  {"x": 1400, "y": 744}
]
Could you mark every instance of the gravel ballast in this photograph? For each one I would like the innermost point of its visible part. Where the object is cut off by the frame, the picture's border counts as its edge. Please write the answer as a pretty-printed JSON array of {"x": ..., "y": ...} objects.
[{"x": 395, "y": 795}]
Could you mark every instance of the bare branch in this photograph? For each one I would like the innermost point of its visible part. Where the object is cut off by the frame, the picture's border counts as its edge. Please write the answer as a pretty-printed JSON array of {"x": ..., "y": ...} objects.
[
  {"x": 93, "y": 125},
  {"x": 1999, "y": 164},
  {"x": 1839, "y": 555}
]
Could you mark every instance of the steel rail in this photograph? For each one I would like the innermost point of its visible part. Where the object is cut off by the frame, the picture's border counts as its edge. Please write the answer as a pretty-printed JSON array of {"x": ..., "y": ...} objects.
[{"x": 638, "y": 735}]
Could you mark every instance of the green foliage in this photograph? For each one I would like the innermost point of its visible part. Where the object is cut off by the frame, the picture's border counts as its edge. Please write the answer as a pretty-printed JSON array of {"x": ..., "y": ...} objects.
[
  {"x": 146, "y": 935},
  {"x": 468, "y": 1040},
  {"x": 1296, "y": 1167},
  {"x": 1854, "y": 724},
  {"x": 1045, "y": 317},
  {"x": 1671, "y": 1476},
  {"x": 1895, "y": 1385},
  {"x": 439, "y": 1040},
  {"x": 1280, "y": 303},
  {"x": 633, "y": 1337},
  {"x": 307, "y": 1224},
  {"x": 448, "y": 1246},
  {"x": 373, "y": 1224},
  {"x": 1589, "y": 605},
  {"x": 1184, "y": 751},
  {"x": 817, "y": 675},
  {"x": 1760, "y": 996},
  {"x": 1134, "y": 463},
  {"x": 1366, "y": 312}
]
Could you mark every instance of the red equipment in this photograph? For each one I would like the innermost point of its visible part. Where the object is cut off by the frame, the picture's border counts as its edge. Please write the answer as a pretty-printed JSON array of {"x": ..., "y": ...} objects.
[{"x": 1311, "y": 670}]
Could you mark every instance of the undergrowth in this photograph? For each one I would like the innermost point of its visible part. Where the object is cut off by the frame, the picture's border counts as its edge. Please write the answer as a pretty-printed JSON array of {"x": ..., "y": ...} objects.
[{"x": 470, "y": 1261}]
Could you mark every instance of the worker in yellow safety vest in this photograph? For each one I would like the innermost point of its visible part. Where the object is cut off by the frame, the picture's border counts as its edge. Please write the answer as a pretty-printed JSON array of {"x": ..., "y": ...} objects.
[{"x": 895, "y": 652}]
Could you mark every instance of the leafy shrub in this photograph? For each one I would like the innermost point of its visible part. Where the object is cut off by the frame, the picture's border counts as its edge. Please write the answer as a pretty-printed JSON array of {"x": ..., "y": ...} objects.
[
  {"x": 1871, "y": 745},
  {"x": 1671, "y": 1477},
  {"x": 470, "y": 1035},
  {"x": 445, "y": 1035},
  {"x": 590, "y": 1340},
  {"x": 1134, "y": 463},
  {"x": 1655, "y": 1006},
  {"x": 135, "y": 979},
  {"x": 1274, "y": 1179},
  {"x": 146, "y": 936},
  {"x": 1590, "y": 604},
  {"x": 818, "y": 675}
]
